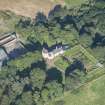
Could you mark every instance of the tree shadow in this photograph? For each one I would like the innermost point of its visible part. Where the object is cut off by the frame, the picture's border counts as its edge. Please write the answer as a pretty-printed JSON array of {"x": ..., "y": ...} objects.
[
  {"x": 55, "y": 15},
  {"x": 39, "y": 64},
  {"x": 24, "y": 23},
  {"x": 54, "y": 74},
  {"x": 68, "y": 20},
  {"x": 45, "y": 45},
  {"x": 55, "y": 10},
  {"x": 29, "y": 47},
  {"x": 74, "y": 66},
  {"x": 40, "y": 19},
  {"x": 17, "y": 53},
  {"x": 24, "y": 73},
  {"x": 18, "y": 97},
  {"x": 32, "y": 46},
  {"x": 6, "y": 90},
  {"x": 27, "y": 87},
  {"x": 84, "y": 28},
  {"x": 98, "y": 40}
]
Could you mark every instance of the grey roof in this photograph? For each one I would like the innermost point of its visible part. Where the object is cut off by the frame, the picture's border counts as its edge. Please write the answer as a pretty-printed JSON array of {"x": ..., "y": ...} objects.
[
  {"x": 57, "y": 50},
  {"x": 5, "y": 35},
  {"x": 3, "y": 55}
]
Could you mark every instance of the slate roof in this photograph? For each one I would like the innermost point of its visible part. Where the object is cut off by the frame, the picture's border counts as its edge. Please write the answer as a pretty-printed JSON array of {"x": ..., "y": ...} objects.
[
  {"x": 57, "y": 48},
  {"x": 3, "y": 55},
  {"x": 5, "y": 35},
  {"x": 5, "y": 38}
]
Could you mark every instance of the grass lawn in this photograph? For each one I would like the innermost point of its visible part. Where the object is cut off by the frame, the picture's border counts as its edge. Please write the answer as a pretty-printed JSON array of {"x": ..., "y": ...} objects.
[
  {"x": 74, "y": 2},
  {"x": 88, "y": 55},
  {"x": 8, "y": 21},
  {"x": 92, "y": 93},
  {"x": 79, "y": 53},
  {"x": 60, "y": 63}
]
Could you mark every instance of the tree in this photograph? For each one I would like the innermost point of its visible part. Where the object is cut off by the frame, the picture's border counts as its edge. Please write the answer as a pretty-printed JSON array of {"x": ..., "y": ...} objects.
[
  {"x": 37, "y": 78},
  {"x": 71, "y": 83},
  {"x": 26, "y": 99},
  {"x": 17, "y": 88},
  {"x": 40, "y": 19},
  {"x": 26, "y": 60},
  {"x": 52, "y": 90},
  {"x": 36, "y": 96},
  {"x": 45, "y": 95},
  {"x": 24, "y": 23},
  {"x": 4, "y": 100}
]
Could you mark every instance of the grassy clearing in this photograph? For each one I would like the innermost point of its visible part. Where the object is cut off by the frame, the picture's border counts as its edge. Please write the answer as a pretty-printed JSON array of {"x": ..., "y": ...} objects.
[
  {"x": 74, "y": 2},
  {"x": 8, "y": 21},
  {"x": 88, "y": 55},
  {"x": 61, "y": 63},
  {"x": 80, "y": 53},
  {"x": 84, "y": 92},
  {"x": 29, "y": 8},
  {"x": 92, "y": 93}
]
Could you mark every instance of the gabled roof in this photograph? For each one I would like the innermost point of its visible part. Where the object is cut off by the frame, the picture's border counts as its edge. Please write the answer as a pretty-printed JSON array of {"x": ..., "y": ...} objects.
[
  {"x": 57, "y": 48},
  {"x": 5, "y": 38},
  {"x": 5, "y": 35}
]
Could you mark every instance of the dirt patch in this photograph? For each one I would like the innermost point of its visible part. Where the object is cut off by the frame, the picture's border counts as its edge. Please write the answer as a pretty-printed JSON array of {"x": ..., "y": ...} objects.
[{"x": 29, "y": 7}]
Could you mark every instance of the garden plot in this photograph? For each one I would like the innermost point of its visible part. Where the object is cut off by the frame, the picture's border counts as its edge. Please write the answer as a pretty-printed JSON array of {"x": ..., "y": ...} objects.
[{"x": 79, "y": 53}]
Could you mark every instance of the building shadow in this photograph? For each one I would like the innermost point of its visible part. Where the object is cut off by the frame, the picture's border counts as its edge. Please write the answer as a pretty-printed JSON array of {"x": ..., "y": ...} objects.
[{"x": 17, "y": 53}]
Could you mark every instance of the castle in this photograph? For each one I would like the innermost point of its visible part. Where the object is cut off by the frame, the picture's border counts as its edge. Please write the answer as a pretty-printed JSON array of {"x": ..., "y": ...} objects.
[{"x": 54, "y": 51}]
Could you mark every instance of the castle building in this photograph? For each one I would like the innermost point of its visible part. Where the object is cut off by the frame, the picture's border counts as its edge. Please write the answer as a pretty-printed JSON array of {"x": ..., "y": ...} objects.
[{"x": 54, "y": 51}]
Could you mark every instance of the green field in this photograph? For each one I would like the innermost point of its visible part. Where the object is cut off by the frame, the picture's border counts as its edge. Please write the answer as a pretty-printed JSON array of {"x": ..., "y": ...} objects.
[
  {"x": 80, "y": 53},
  {"x": 79, "y": 49},
  {"x": 92, "y": 93},
  {"x": 95, "y": 79},
  {"x": 74, "y": 2},
  {"x": 60, "y": 63},
  {"x": 8, "y": 21}
]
